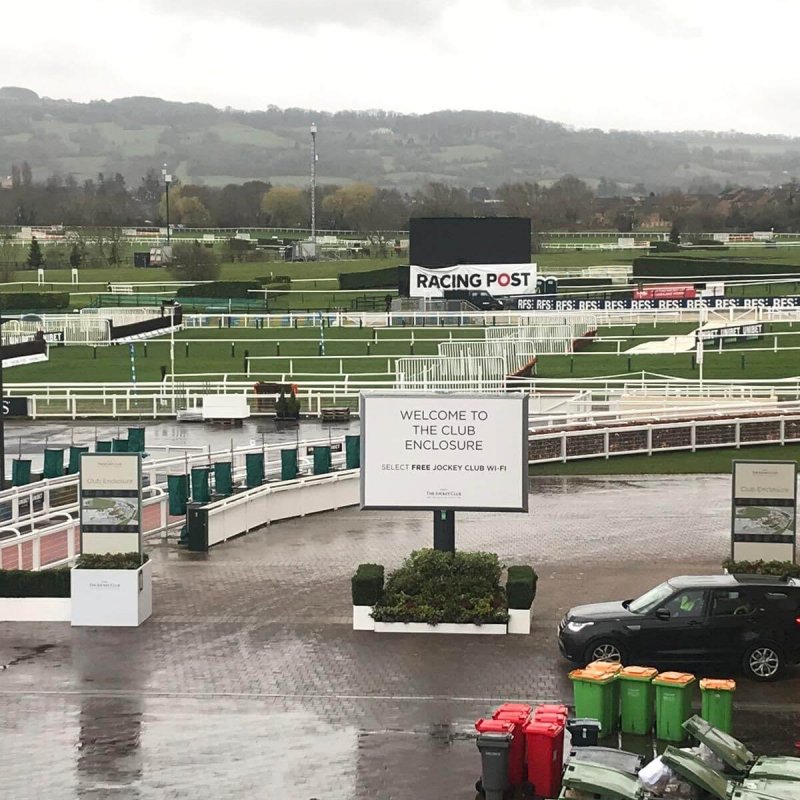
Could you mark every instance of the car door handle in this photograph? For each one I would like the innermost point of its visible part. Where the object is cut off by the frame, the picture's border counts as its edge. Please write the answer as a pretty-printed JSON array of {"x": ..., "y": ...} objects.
[{"x": 695, "y": 622}]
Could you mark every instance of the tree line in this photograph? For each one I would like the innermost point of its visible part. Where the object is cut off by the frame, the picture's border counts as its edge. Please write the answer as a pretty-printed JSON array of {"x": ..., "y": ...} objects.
[{"x": 565, "y": 204}]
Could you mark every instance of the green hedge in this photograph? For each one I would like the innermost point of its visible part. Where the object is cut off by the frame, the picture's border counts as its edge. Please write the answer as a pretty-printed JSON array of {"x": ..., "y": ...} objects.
[
  {"x": 434, "y": 586},
  {"x": 386, "y": 278},
  {"x": 226, "y": 289},
  {"x": 367, "y": 584},
  {"x": 664, "y": 247},
  {"x": 668, "y": 267},
  {"x": 111, "y": 561},
  {"x": 29, "y": 301},
  {"x": 521, "y": 586},
  {"x": 274, "y": 279},
  {"x": 782, "y": 569},
  {"x": 44, "y": 583}
]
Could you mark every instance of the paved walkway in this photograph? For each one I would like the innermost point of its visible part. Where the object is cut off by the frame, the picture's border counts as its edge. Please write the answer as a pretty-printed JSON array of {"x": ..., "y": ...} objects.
[{"x": 248, "y": 681}]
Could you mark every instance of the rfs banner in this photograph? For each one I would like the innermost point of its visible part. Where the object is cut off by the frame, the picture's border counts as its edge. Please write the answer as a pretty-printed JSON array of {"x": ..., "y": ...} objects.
[{"x": 496, "y": 279}]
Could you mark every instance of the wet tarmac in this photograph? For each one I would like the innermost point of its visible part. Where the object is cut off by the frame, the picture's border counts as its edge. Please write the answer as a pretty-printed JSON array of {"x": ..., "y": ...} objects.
[{"x": 249, "y": 682}]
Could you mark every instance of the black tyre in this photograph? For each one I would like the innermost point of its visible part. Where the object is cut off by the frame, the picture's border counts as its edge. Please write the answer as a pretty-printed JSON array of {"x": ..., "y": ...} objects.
[
  {"x": 479, "y": 787},
  {"x": 763, "y": 662},
  {"x": 604, "y": 650}
]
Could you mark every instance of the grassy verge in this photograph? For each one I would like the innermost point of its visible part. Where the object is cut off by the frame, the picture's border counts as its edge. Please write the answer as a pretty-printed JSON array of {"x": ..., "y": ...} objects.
[{"x": 676, "y": 463}]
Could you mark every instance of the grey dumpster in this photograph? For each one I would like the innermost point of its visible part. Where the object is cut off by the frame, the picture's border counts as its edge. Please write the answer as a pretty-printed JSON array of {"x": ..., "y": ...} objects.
[{"x": 494, "y": 749}]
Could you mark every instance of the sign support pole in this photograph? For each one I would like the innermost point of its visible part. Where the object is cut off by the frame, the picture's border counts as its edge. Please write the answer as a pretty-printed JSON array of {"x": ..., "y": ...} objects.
[{"x": 444, "y": 530}]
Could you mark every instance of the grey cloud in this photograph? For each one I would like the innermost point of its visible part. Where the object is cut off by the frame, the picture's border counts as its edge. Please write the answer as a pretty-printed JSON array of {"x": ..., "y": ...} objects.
[{"x": 302, "y": 15}]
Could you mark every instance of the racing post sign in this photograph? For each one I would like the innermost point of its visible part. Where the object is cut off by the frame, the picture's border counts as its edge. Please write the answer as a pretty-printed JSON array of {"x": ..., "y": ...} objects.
[
  {"x": 763, "y": 518},
  {"x": 496, "y": 279},
  {"x": 444, "y": 452},
  {"x": 111, "y": 502}
]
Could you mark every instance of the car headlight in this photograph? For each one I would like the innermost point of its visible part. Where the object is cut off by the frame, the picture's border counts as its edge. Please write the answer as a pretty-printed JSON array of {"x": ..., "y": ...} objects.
[{"x": 576, "y": 627}]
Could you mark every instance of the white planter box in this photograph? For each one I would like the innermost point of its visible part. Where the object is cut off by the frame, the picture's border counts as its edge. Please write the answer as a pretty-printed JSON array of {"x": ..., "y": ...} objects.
[
  {"x": 112, "y": 597},
  {"x": 442, "y": 627},
  {"x": 362, "y": 619},
  {"x": 519, "y": 620},
  {"x": 35, "y": 609}
]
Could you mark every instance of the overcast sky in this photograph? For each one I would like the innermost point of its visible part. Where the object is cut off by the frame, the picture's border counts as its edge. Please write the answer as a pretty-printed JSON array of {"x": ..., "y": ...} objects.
[{"x": 624, "y": 64}]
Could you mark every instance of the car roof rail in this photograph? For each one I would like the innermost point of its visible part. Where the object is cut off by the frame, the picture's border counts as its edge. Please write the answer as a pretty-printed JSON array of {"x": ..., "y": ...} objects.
[{"x": 760, "y": 578}]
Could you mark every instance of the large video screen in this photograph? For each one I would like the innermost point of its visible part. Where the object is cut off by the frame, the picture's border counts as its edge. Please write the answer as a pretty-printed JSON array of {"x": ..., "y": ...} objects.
[{"x": 447, "y": 241}]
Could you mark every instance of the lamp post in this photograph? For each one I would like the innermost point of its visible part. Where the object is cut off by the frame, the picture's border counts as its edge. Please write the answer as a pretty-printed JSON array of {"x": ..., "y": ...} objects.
[
  {"x": 314, "y": 188},
  {"x": 167, "y": 180}
]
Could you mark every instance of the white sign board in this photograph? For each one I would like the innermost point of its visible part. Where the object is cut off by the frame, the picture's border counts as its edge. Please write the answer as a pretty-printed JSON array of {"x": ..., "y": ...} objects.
[
  {"x": 111, "y": 503},
  {"x": 496, "y": 279},
  {"x": 763, "y": 514},
  {"x": 465, "y": 452}
]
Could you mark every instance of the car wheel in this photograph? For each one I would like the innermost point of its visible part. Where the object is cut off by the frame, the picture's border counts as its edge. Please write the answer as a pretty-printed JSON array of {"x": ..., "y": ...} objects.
[
  {"x": 604, "y": 650},
  {"x": 763, "y": 662}
]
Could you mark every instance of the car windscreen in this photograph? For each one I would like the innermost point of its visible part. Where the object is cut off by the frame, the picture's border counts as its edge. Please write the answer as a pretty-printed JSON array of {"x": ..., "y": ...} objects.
[{"x": 651, "y": 600}]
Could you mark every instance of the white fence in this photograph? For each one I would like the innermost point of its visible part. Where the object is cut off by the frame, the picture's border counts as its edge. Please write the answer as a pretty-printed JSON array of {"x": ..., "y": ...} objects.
[
  {"x": 72, "y": 329},
  {"x": 155, "y": 400},
  {"x": 662, "y": 437},
  {"x": 516, "y": 353},
  {"x": 123, "y": 316},
  {"x": 459, "y": 319},
  {"x": 551, "y": 339},
  {"x": 263, "y": 505},
  {"x": 437, "y": 373}
]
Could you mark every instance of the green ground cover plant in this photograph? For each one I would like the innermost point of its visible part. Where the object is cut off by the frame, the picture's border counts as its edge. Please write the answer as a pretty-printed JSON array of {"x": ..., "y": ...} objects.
[{"x": 434, "y": 586}]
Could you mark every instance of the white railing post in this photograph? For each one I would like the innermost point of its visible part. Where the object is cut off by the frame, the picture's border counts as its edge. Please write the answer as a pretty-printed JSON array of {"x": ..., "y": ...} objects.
[
  {"x": 564, "y": 446},
  {"x": 693, "y": 439},
  {"x": 737, "y": 433}
]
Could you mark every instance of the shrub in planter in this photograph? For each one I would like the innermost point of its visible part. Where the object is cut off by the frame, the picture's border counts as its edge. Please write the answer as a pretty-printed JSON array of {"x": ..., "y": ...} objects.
[
  {"x": 434, "y": 586},
  {"x": 783, "y": 569},
  {"x": 44, "y": 583},
  {"x": 521, "y": 586},
  {"x": 111, "y": 561},
  {"x": 367, "y": 584}
]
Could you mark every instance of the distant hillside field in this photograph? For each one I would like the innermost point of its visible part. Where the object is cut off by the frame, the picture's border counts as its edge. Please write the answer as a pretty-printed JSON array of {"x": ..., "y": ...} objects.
[{"x": 207, "y": 145}]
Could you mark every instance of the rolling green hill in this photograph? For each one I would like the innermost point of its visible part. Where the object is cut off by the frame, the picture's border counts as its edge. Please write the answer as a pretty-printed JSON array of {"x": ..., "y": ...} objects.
[{"x": 204, "y": 144}]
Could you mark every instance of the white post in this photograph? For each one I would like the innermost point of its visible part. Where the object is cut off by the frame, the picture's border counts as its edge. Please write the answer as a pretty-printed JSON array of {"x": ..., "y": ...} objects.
[{"x": 172, "y": 352}]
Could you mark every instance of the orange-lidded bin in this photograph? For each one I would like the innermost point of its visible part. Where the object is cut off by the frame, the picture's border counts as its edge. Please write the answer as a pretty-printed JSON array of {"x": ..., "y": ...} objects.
[
  {"x": 637, "y": 699},
  {"x": 594, "y": 695},
  {"x": 717, "y": 702},
  {"x": 673, "y": 704},
  {"x": 612, "y": 668}
]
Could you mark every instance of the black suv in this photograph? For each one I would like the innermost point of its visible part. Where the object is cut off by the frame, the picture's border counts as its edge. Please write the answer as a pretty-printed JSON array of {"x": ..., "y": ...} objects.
[{"x": 750, "y": 619}]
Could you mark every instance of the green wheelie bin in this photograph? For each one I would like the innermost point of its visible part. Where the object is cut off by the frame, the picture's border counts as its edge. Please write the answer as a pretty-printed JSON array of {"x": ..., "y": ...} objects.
[
  {"x": 637, "y": 699},
  {"x": 594, "y": 695},
  {"x": 673, "y": 704},
  {"x": 717, "y": 702}
]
